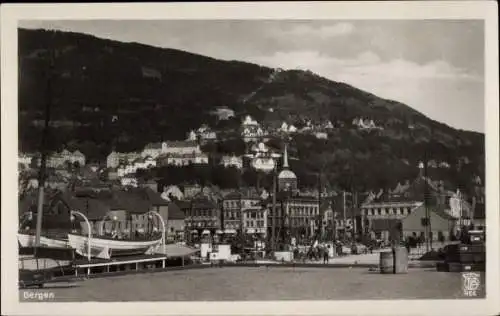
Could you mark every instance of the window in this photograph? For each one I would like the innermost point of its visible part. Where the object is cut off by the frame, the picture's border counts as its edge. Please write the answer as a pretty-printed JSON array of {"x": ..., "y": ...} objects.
[{"x": 379, "y": 211}]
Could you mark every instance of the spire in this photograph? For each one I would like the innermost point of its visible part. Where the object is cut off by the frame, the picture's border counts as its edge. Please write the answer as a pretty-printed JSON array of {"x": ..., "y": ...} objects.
[
  {"x": 285, "y": 158},
  {"x": 421, "y": 170}
]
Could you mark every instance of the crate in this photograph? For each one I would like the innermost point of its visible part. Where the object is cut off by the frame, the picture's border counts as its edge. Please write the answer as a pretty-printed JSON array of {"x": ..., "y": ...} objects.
[
  {"x": 466, "y": 267},
  {"x": 442, "y": 267},
  {"x": 466, "y": 258}
]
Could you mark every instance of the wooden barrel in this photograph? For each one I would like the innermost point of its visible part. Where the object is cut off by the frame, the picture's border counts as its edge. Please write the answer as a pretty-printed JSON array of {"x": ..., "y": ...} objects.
[
  {"x": 386, "y": 262},
  {"x": 401, "y": 260}
]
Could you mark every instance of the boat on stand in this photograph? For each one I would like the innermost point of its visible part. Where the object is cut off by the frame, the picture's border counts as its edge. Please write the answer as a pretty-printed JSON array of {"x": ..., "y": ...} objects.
[{"x": 108, "y": 247}]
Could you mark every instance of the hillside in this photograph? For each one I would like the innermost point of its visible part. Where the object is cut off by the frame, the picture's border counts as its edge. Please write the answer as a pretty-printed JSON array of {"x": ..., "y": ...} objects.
[{"x": 109, "y": 94}]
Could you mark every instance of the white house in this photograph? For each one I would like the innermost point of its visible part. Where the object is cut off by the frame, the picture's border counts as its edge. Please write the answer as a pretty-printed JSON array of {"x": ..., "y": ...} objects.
[
  {"x": 152, "y": 150},
  {"x": 128, "y": 181},
  {"x": 223, "y": 113},
  {"x": 25, "y": 159},
  {"x": 364, "y": 124},
  {"x": 114, "y": 159},
  {"x": 139, "y": 163},
  {"x": 172, "y": 190},
  {"x": 176, "y": 159},
  {"x": 232, "y": 161},
  {"x": 321, "y": 135},
  {"x": 206, "y": 133}
]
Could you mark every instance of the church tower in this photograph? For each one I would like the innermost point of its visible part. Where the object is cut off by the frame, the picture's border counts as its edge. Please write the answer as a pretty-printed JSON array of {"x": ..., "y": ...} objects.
[{"x": 287, "y": 180}]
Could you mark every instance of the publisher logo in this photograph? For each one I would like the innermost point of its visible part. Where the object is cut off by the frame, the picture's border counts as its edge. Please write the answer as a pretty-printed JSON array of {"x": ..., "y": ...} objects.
[{"x": 470, "y": 283}]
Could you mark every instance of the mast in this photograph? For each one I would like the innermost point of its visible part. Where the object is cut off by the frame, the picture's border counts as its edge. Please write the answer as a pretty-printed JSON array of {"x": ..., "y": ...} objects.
[
  {"x": 353, "y": 215},
  {"x": 273, "y": 227},
  {"x": 428, "y": 229},
  {"x": 320, "y": 212},
  {"x": 43, "y": 159},
  {"x": 344, "y": 213}
]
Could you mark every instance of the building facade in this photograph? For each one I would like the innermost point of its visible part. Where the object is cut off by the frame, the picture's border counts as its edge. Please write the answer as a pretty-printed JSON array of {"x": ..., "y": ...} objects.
[
  {"x": 201, "y": 214},
  {"x": 235, "y": 206}
]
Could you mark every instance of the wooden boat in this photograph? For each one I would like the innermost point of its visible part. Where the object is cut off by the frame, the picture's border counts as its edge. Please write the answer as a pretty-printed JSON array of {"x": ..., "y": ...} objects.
[
  {"x": 29, "y": 240},
  {"x": 106, "y": 248}
]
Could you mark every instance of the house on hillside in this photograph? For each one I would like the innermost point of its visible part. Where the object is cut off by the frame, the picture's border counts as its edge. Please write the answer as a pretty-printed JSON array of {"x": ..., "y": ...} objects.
[
  {"x": 232, "y": 161},
  {"x": 172, "y": 193},
  {"x": 223, "y": 113},
  {"x": 25, "y": 159},
  {"x": 183, "y": 159},
  {"x": 251, "y": 130},
  {"x": 152, "y": 150},
  {"x": 206, "y": 133},
  {"x": 114, "y": 159}
]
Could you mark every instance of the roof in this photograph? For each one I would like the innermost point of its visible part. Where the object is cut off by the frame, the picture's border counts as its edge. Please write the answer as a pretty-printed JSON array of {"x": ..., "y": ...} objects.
[
  {"x": 198, "y": 203},
  {"x": 174, "y": 211},
  {"x": 93, "y": 208},
  {"x": 441, "y": 213},
  {"x": 249, "y": 194},
  {"x": 287, "y": 174},
  {"x": 380, "y": 224},
  {"x": 182, "y": 143},
  {"x": 153, "y": 146}
]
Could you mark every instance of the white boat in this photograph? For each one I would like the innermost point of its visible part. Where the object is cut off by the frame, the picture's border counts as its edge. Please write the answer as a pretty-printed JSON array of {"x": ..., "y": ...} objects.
[
  {"x": 28, "y": 241},
  {"x": 106, "y": 248}
]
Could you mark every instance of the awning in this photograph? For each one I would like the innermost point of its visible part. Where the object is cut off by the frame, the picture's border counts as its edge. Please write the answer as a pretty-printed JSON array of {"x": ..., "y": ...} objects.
[
  {"x": 219, "y": 232},
  {"x": 251, "y": 230},
  {"x": 230, "y": 231},
  {"x": 194, "y": 231},
  {"x": 179, "y": 251},
  {"x": 206, "y": 232}
]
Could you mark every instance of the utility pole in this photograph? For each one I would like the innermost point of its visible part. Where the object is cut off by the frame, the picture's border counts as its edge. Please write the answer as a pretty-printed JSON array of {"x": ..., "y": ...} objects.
[
  {"x": 43, "y": 151},
  {"x": 273, "y": 229},
  {"x": 320, "y": 212},
  {"x": 428, "y": 228},
  {"x": 353, "y": 211},
  {"x": 344, "y": 217}
]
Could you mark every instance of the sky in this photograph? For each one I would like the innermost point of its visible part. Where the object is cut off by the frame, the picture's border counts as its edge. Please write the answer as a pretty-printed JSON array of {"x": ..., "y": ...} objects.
[{"x": 434, "y": 66}]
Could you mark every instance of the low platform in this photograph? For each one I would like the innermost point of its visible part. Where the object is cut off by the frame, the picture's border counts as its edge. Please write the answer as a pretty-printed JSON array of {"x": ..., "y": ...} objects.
[{"x": 119, "y": 264}]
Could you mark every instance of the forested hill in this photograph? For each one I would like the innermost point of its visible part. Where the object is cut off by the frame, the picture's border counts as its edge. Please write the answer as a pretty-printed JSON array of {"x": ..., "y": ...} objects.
[{"x": 107, "y": 94}]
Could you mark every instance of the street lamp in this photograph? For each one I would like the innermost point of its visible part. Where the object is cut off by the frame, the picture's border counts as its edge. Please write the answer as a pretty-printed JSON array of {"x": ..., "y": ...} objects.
[
  {"x": 89, "y": 229},
  {"x": 162, "y": 227}
]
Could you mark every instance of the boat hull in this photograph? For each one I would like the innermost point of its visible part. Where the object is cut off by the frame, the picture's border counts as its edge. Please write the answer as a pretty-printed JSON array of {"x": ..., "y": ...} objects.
[
  {"x": 107, "y": 248},
  {"x": 29, "y": 241}
]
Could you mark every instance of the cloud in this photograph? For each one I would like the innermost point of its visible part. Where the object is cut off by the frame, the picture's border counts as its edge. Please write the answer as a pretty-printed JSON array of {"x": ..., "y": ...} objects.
[
  {"x": 430, "y": 88},
  {"x": 365, "y": 64},
  {"x": 310, "y": 30}
]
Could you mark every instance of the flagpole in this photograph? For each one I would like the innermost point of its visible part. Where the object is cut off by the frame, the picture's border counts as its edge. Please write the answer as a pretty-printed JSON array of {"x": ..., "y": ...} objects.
[{"x": 344, "y": 215}]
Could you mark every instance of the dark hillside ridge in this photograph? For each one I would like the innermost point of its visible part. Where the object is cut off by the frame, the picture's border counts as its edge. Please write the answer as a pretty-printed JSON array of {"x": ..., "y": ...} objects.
[{"x": 108, "y": 94}]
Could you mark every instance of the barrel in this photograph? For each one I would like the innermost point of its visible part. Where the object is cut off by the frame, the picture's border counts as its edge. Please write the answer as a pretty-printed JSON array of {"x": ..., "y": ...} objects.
[
  {"x": 401, "y": 260},
  {"x": 394, "y": 261},
  {"x": 386, "y": 262}
]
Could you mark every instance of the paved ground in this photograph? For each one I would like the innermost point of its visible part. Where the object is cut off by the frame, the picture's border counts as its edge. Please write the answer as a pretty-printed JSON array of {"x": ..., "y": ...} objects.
[{"x": 248, "y": 283}]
